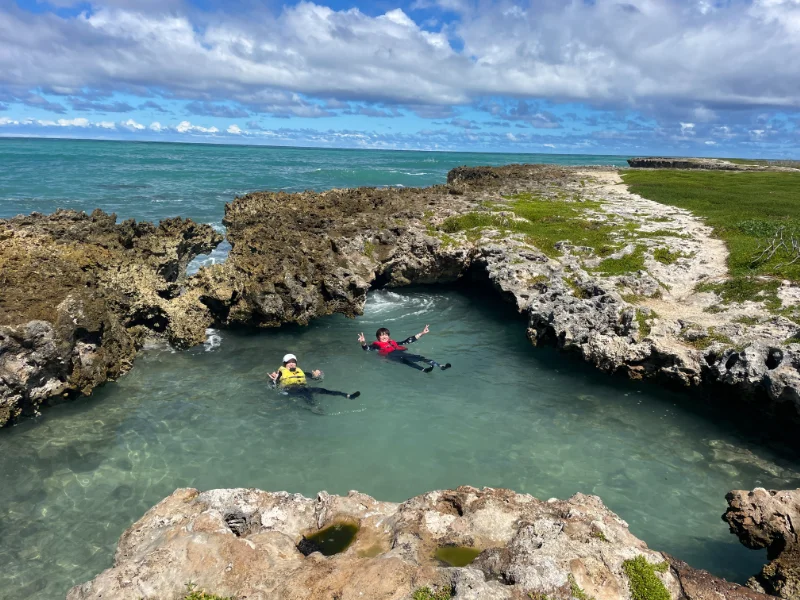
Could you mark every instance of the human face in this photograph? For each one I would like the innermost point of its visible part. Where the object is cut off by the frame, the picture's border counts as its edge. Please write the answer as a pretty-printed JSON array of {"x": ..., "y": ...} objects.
[
  {"x": 384, "y": 337},
  {"x": 291, "y": 365}
]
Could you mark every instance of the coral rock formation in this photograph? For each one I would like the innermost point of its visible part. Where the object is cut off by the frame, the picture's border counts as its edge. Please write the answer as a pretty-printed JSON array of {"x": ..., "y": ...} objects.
[
  {"x": 247, "y": 544},
  {"x": 769, "y": 519},
  {"x": 80, "y": 293}
]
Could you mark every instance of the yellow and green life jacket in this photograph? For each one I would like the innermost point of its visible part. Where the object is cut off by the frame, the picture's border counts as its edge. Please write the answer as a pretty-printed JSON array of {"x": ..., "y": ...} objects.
[{"x": 296, "y": 377}]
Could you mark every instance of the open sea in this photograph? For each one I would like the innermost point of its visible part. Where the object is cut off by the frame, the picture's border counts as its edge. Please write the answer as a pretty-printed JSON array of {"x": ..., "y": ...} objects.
[{"x": 505, "y": 415}]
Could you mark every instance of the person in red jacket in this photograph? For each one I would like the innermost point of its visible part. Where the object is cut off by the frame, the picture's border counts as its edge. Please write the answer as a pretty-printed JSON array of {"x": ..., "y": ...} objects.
[{"x": 385, "y": 346}]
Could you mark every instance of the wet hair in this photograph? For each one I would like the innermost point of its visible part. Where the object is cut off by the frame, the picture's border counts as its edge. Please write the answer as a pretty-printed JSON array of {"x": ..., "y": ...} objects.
[{"x": 380, "y": 331}]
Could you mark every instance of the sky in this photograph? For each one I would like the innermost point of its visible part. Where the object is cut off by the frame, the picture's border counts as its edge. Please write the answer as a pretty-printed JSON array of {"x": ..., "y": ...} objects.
[{"x": 678, "y": 77}]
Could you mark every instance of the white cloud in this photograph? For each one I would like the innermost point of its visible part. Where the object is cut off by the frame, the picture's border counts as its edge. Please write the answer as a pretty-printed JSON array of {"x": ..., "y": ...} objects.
[
  {"x": 131, "y": 125},
  {"x": 106, "y": 125},
  {"x": 234, "y": 129},
  {"x": 710, "y": 143},
  {"x": 655, "y": 52},
  {"x": 187, "y": 127},
  {"x": 7, "y": 121},
  {"x": 687, "y": 129},
  {"x": 78, "y": 122},
  {"x": 156, "y": 126}
]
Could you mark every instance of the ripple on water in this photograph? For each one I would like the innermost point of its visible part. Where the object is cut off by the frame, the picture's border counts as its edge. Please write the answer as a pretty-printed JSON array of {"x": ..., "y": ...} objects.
[{"x": 505, "y": 415}]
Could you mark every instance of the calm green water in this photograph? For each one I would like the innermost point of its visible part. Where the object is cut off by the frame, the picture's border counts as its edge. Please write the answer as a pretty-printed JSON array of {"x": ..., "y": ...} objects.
[{"x": 506, "y": 414}]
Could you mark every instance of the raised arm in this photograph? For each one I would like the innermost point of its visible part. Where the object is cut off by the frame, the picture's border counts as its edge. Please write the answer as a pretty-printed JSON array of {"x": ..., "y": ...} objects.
[
  {"x": 414, "y": 338},
  {"x": 363, "y": 341}
]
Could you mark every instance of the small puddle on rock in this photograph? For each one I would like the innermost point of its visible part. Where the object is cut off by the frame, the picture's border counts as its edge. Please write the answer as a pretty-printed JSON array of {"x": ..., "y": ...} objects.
[
  {"x": 329, "y": 541},
  {"x": 456, "y": 556}
]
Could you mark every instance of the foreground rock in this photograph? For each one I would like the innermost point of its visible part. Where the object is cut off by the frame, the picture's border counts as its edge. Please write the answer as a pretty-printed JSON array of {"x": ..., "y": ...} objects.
[
  {"x": 247, "y": 544},
  {"x": 80, "y": 294},
  {"x": 771, "y": 520}
]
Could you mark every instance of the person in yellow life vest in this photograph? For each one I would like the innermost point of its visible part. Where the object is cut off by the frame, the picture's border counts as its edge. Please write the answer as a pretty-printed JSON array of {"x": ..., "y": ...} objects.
[{"x": 291, "y": 380}]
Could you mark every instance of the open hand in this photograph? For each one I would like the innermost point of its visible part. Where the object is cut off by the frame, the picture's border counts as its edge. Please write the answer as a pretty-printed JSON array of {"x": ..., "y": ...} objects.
[
  {"x": 273, "y": 376},
  {"x": 316, "y": 373},
  {"x": 424, "y": 331},
  {"x": 361, "y": 338}
]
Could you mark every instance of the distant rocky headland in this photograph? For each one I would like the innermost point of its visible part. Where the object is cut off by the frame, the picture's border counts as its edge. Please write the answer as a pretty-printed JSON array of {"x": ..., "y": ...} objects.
[
  {"x": 464, "y": 544},
  {"x": 599, "y": 272}
]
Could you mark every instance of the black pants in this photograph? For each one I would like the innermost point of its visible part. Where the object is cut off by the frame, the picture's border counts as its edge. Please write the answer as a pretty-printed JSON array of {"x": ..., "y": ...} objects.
[
  {"x": 307, "y": 393},
  {"x": 410, "y": 359}
]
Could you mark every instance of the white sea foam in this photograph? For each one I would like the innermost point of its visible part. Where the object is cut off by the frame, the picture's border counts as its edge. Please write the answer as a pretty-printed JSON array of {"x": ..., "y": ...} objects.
[
  {"x": 213, "y": 340},
  {"x": 218, "y": 255}
]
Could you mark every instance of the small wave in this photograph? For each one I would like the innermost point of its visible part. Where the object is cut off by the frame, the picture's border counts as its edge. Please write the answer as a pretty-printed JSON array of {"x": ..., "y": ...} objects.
[
  {"x": 344, "y": 412},
  {"x": 213, "y": 340},
  {"x": 416, "y": 174},
  {"x": 384, "y": 302}
]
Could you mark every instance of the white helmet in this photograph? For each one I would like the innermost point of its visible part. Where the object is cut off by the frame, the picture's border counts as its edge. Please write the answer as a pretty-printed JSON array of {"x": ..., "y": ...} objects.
[{"x": 289, "y": 357}]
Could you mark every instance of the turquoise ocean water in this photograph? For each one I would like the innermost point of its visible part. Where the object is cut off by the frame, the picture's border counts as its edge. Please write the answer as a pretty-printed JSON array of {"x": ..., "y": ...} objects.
[{"x": 506, "y": 414}]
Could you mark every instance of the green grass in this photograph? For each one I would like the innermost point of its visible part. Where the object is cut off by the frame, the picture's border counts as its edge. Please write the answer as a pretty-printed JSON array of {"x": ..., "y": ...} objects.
[
  {"x": 666, "y": 233},
  {"x": 764, "y": 162},
  {"x": 740, "y": 289},
  {"x": 713, "y": 336},
  {"x": 369, "y": 249},
  {"x": 625, "y": 264},
  {"x": 544, "y": 223},
  {"x": 667, "y": 257},
  {"x": 745, "y": 209},
  {"x": 747, "y": 320},
  {"x": 645, "y": 584},
  {"x": 425, "y": 593},
  {"x": 192, "y": 593},
  {"x": 599, "y": 535},
  {"x": 643, "y": 320},
  {"x": 576, "y": 590}
]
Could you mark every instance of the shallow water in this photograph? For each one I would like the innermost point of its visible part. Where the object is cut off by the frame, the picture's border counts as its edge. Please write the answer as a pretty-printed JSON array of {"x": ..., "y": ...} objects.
[{"x": 506, "y": 415}]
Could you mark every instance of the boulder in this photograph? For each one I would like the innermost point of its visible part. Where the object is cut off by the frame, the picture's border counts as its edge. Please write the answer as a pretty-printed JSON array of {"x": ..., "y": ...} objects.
[{"x": 769, "y": 519}]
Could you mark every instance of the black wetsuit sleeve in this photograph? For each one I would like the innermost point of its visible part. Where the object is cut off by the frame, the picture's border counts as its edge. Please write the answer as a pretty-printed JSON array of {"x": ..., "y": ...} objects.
[
  {"x": 369, "y": 348},
  {"x": 408, "y": 340}
]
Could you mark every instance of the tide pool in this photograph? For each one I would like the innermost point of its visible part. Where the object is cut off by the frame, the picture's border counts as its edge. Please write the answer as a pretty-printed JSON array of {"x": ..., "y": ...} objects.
[{"x": 505, "y": 415}]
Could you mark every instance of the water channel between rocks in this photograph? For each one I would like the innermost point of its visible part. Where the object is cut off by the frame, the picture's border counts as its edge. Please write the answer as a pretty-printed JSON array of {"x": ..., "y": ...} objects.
[{"x": 506, "y": 415}]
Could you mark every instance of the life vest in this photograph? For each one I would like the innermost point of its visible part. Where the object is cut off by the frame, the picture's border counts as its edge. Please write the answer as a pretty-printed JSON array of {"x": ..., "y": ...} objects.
[
  {"x": 385, "y": 348},
  {"x": 296, "y": 377}
]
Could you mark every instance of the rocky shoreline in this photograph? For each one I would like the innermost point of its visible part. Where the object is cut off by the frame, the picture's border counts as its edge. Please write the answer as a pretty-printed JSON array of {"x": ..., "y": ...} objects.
[
  {"x": 81, "y": 295},
  {"x": 299, "y": 256}
]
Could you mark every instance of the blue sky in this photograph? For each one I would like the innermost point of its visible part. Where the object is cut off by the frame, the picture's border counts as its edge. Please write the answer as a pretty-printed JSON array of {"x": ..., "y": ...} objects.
[{"x": 685, "y": 77}]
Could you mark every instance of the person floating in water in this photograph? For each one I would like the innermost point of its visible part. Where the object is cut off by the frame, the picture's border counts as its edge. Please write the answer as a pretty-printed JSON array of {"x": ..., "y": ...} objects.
[
  {"x": 291, "y": 380},
  {"x": 385, "y": 346}
]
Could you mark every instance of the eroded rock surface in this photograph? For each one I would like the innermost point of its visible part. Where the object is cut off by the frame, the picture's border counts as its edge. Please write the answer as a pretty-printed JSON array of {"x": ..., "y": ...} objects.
[
  {"x": 662, "y": 162},
  {"x": 244, "y": 543},
  {"x": 769, "y": 519},
  {"x": 80, "y": 294}
]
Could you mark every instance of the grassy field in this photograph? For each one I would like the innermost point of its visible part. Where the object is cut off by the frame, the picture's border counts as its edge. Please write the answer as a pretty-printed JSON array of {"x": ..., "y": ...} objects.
[
  {"x": 544, "y": 222},
  {"x": 765, "y": 162},
  {"x": 747, "y": 210}
]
